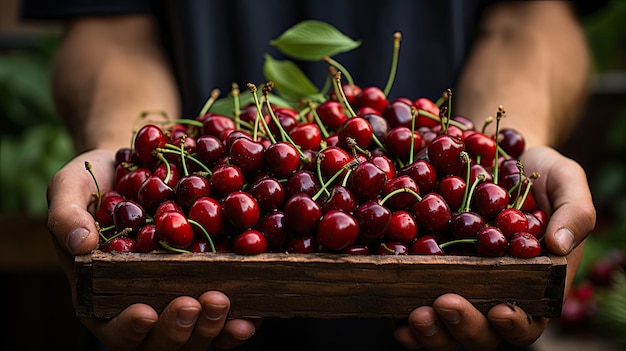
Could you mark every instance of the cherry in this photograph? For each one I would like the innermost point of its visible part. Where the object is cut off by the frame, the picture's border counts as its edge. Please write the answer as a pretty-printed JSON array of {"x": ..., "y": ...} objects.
[
  {"x": 168, "y": 206},
  {"x": 227, "y": 179},
  {"x": 153, "y": 192},
  {"x": 129, "y": 215},
  {"x": 357, "y": 129},
  {"x": 207, "y": 212},
  {"x": 402, "y": 227},
  {"x": 209, "y": 150},
  {"x": 301, "y": 214},
  {"x": 466, "y": 225},
  {"x": 366, "y": 181},
  {"x": 147, "y": 140},
  {"x": 162, "y": 172},
  {"x": 467, "y": 123},
  {"x": 282, "y": 159},
  {"x": 268, "y": 192},
  {"x": 357, "y": 249},
  {"x": 302, "y": 244},
  {"x": 120, "y": 244},
  {"x": 200, "y": 245},
  {"x": 307, "y": 136},
  {"x": 241, "y": 210},
  {"x": 536, "y": 225},
  {"x": 190, "y": 188},
  {"x": 271, "y": 225},
  {"x": 398, "y": 142},
  {"x": 489, "y": 199},
  {"x": 337, "y": 230},
  {"x": 512, "y": 142},
  {"x": 349, "y": 90},
  {"x": 248, "y": 155},
  {"x": 398, "y": 113},
  {"x": 380, "y": 125},
  {"x": 146, "y": 240},
  {"x": 392, "y": 248},
  {"x": 425, "y": 245},
  {"x": 216, "y": 124},
  {"x": 331, "y": 160},
  {"x": 250, "y": 242},
  {"x": 400, "y": 200},
  {"x": 173, "y": 229},
  {"x": 331, "y": 113},
  {"x": 432, "y": 214},
  {"x": 123, "y": 155},
  {"x": 491, "y": 242},
  {"x": 444, "y": 152},
  {"x": 340, "y": 198},
  {"x": 452, "y": 189},
  {"x": 385, "y": 164},
  {"x": 427, "y": 105},
  {"x": 511, "y": 221},
  {"x": 104, "y": 215},
  {"x": 129, "y": 184},
  {"x": 524, "y": 245},
  {"x": 373, "y": 219},
  {"x": 301, "y": 181},
  {"x": 481, "y": 147},
  {"x": 373, "y": 97},
  {"x": 424, "y": 174}
]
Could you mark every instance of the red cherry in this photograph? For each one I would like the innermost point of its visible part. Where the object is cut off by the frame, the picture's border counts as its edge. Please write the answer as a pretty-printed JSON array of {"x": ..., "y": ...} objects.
[
  {"x": 208, "y": 213},
  {"x": 248, "y": 155},
  {"x": 146, "y": 240},
  {"x": 452, "y": 189},
  {"x": 120, "y": 244},
  {"x": 359, "y": 130},
  {"x": 331, "y": 113},
  {"x": 241, "y": 210},
  {"x": 153, "y": 192},
  {"x": 425, "y": 245},
  {"x": 512, "y": 142},
  {"x": 373, "y": 97},
  {"x": 385, "y": 164},
  {"x": 367, "y": 181},
  {"x": 401, "y": 200},
  {"x": 190, "y": 188},
  {"x": 511, "y": 221},
  {"x": 398, "y": 142},
  {"x": 466, "y": 225},
  {"x": 147, "y": 140},
  {"x": 398, "y": 113},
  {"x": 489, "y": 199},
  {"x": 332, "y": 159},
  {"x": 104, "y": 215},
  {"x": 209, "y": 150},
  {"x": 481, "y": 147},
  {"x": 491, "y": 242},
  {"x": 373, "y": 219},
  {"x": 268, "y": 192},
  {"x": 271, "y": 225},
  {"x": 162, "y": 172},
  {"x": 524, "y": 245},
  {"x": 301, "y": 181},
  {"x": 307, "y": 135},
  {"x": 128, "y": 185},
  {"x": 402, "y": 227},
  {"x": 282, "y": 159},
  {"x": 216, "y": 124},
  {"x": 432, "y": 214},
  {"x": 337, "y": 230},
  {"x": 444, "y": 152},
  {"x": 128, "y": 214},
  {"x": 302, "y": 244},
  {"x": 250, "y": 242},
  {"x": 357, "y": 249},
  {"x": 380, "y": 125},
  {"x": 340, "y": 198},
  {"x": 174, "y": 229},
  {"x": 301, "y": 214},
  {"x": 227, "y": 179},
  {"x": 392, "y": 248},
  {"x": 424, "y": 174},
  {"x": 429, "y": 106}
]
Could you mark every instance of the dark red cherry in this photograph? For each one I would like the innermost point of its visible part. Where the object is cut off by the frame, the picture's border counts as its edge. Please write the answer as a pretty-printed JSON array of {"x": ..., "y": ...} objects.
[
  {"x": 271, "y": 225},
  {"x": 190, "y": 188},
  {"x": 104, "y": 215},
  {"x": 491, "y": 242},
  {"x": 302, "y": 244},
  {"x": 227, "y": 179},
  {"x": 366, "y": 181},
  {"x": 147, "y": 140},
  {"x": 331, "y": 113},
  {"x": 241, "y": 210},
  {"x": 444, "y": 152},
  {"x": 250, "y": 242},
  {"x": 301, "y": 214},
  {"x": 349, "y": 90},
  {"x": 168, "y": 206},
  {"x": 162, "y": 172},
  {"x": 398, "y": 142},
  {"x": 373, "y": 219},
  {"x": 482, "y": 148},
  {"x": 340, "y": 198},
  {"x": 392, "y": 248},
  {"x": 153, "y": 192},
  {"x": 208, "y": 213},
  {"x": 452, "y": 189},
  {"x": 400, "y": 200},
  {"x": 489, "y": 199},
  {"x": 268, "y": 192},
  {"x": 465, "y": 225},
  {"x": 146, "y": 240},
  {"x": 432, "y": 214},
  {"x": 373, "y": 97},
  {"x": 398, "y": 113},
  {"x": 429, "y": 106},
  {"x": 332, "y": 159},
  {"x": 215, "y": 124},
  {"x": 536, "y": 226},
  {"x": 357, "y": 249},
  {"x": 248, "y": 155},
  {"x": 511, "y": 221},
  {"x": 512, "y": 142},
  {"x": 524, "y": 245},
  {"x": 120, "y": 244},
  {"x": 307, "y": 135},
  {"x": 301, "y": 181},
  {"x": 425, "y": 245},
  {"x": 174, "y": 229},
  {"x": 359, "y": 130},
  {"x": 129, "y": 184},
  {"x": 337, "y": 230},
  {"x": 380, "y": 125},
  {"x": 385, "y": 164},
  {"x": 209, "y": 150},
  {"x": 282, "y": 159},
  {"x": 402, "y": 227},
  {"x": 424, "y": 174},
  {"x": 129, "y": 214}
]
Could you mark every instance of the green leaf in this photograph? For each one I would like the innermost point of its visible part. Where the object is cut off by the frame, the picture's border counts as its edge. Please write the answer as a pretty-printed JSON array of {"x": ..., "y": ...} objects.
[
  {"x": 225, "y": 106},
  {"x": 292, "y": 84},
  {"x": 312, "y": 41}
]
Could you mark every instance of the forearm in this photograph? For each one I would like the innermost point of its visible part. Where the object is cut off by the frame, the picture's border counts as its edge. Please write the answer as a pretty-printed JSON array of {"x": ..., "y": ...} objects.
[
  {"x": 107, "y": 72},
  {"x": 531, "y": 58}
]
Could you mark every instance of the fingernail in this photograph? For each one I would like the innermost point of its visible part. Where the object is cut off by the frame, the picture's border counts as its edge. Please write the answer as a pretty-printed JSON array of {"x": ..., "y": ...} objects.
[
  {"x": 451, "y": 316},
  {"x": 502, "y": 323},
  {"x": 565, "y": 239},
  {"x": 76, "y": 238},
  {"x": 187, "y": 316},
  {"x": 214, "y": 312},
  {"x": 426, "y": 329},
  {"x": 245, "y": 337},
  {"x": 143, "y": 325}
]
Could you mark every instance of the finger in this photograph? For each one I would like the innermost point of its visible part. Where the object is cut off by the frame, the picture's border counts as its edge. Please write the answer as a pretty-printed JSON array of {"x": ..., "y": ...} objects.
[
  {"x": 70, "y": 192},
  {"x": 515, "y": 326},
  {"x": 403, "y": 334},
  {"x": 465, "y": 323},
  {"x": 429, "y": 331},
  {"x": 175, "y": 325},
  {"x": 236, "y": 332},
  {"x": 127, "y": 330},
  {"x": 215, "y": 306}
]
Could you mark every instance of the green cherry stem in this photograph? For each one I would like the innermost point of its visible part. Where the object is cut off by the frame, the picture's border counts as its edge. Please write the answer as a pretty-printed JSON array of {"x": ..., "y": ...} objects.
[
  {"x": 318, "y": 121},
  {"x": 399, "y": 191},
  {"x": 208, "y": 237},
  {"x": 215, "y": 93},
  {"x": 457, "y": 241},
  {"x": 234, "y": 92},
  {"x": 89, "y": 169},
  {"x": 467, "y": 198},
  {"x": 168, "y": 173},
  {"x": 397, "y": 37},
  {"x": 168, "y": 247},
  {"x": 413, "y": 118},
  {"x": 340, "y": 68},
  {"x": 501, "y": 113},
  {"x": 325, "y": 185}
]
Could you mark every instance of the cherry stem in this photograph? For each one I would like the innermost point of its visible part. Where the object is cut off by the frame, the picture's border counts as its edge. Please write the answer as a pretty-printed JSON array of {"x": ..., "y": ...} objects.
[
  {"x": 387, "y": 248},
  {"x": 347, "y": 166},
  {"x": 215, "y": 93},
  {"x": 141, "y": 117},
  {"x": 185, "y": 121},
  {"x": 427, "y": 114},
  {"x": 124, "y": 231},
  {"x": 340, "y": 68},
  {"x": 467, "y": 161},
  {"x": 89, "y": 169},
  {"x": 172, "y": 149},
  {"x": 318, "y": 162},
  {"x": 413, "y": 118},
  {"x": 102, "y": 230},
  {"x": 168, "y": 247},
  {"x": 443, "y": 98},
  {"x": 467, "y": 200},
  {"x": 208, "y": 237},
  {"x": 499, "y": 116},
  {"x": 237, "y": 107},
  {"x": 341, "y": 96},
  {"x": 318, "y": 121},
  {"x": 168, "y": 169},
  {"x": 182, "y": 155},
  {"x": 488, "y": 121},
  {"x": 397, "y": 36},
  {"x": 356, "y": 148},
  {"x": 457, "y": 241},
  {"x": 449, "y": 91},
  {"x": 398, "y": 191}
]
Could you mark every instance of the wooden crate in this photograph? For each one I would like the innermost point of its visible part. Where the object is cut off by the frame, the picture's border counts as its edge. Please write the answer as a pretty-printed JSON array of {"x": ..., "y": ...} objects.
[{"x": 317, "y": 285}]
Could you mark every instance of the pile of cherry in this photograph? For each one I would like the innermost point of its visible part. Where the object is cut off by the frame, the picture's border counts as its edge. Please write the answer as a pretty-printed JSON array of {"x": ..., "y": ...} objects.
[{"x": 355, "y": 174}]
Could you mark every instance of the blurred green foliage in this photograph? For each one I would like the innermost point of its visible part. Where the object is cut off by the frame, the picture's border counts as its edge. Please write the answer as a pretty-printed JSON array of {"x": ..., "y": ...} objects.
[
  {"x": 606, "y": 32},
  {"x": 33, "y": 142}
]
